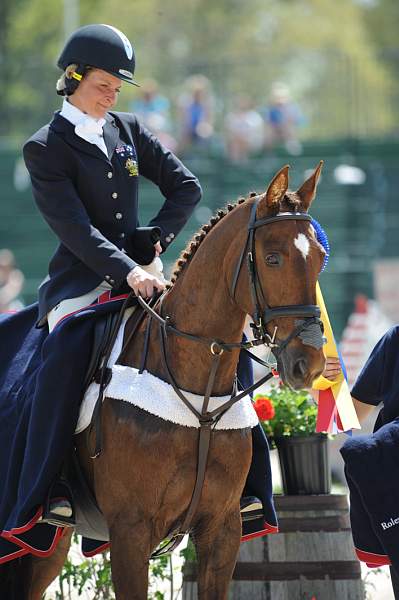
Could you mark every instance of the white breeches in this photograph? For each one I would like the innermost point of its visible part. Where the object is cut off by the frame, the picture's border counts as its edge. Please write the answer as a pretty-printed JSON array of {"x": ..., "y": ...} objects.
[{"x": 70, "y": 305}]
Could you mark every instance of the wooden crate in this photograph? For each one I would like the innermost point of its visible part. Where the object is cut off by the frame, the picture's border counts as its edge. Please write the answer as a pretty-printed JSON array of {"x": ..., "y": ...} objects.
[{"x": 312, "y": 558}]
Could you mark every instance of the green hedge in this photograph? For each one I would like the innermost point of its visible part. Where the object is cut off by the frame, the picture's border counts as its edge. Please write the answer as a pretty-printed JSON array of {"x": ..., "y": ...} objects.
[{"x": 361, "y": 220}]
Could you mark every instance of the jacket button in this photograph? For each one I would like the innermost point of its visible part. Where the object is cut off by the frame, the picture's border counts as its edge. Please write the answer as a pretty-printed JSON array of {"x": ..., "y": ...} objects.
[
  {"x": 122, "y": 235},
  {"x": 118, "y": 216},
  {"x": 109, "y": 174},
  {"x": 114, "y": 195}
]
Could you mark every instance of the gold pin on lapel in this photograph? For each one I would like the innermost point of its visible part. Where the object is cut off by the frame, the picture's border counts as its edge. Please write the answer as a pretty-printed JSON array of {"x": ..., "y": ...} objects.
[{"x": 131, "y": 166}]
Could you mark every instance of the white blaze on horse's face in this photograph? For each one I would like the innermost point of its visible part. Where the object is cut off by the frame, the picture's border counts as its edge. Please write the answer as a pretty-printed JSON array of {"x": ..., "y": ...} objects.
[{"x": 303, "y": 245}]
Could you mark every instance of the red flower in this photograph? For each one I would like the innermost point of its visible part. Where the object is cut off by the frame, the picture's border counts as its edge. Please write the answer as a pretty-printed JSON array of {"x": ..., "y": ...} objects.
[{"x": 264, "y": 408}]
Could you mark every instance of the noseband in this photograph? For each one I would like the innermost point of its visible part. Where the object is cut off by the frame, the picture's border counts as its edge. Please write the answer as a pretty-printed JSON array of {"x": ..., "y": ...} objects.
[{"x": 308, "y": 313}]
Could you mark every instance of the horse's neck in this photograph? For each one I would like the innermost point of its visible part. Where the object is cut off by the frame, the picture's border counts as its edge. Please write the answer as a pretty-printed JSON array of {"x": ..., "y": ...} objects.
[
  {"x": 200, "y": 301},
  {"x": 200, "y": 304}
]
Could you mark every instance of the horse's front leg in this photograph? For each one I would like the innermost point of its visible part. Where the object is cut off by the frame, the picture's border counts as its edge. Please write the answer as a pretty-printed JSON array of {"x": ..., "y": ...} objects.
[
  {"x": 130, "y": 553},
  {"x": 217, "y": 549}
]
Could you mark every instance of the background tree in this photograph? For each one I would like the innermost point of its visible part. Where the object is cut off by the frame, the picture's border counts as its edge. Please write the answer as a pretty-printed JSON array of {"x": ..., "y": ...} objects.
[{"x": 327, "y": 52}]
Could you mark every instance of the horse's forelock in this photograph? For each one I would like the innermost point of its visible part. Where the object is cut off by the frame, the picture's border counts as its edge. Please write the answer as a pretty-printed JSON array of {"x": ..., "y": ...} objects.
[{"x": 291, "y": 202}]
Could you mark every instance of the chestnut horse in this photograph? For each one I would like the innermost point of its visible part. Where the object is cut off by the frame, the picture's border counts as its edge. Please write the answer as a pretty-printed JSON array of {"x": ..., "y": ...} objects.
[{"x": 145, "y": 476}]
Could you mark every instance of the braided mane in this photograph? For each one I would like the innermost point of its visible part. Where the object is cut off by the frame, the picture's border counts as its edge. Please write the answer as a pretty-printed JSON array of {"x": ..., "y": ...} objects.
[{"x": 290, "y": 202}]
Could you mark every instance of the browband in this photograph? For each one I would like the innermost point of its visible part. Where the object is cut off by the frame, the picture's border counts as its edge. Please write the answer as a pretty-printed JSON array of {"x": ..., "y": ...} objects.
[{"x": 281, "y": 217}]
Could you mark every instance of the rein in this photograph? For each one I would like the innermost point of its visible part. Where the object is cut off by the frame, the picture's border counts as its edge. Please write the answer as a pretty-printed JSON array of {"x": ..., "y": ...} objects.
[{"x": 261, "y": 317}]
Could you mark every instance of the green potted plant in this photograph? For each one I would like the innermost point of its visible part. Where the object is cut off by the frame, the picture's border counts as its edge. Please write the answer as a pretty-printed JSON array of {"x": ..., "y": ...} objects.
[{"x": 288, "y": 418}]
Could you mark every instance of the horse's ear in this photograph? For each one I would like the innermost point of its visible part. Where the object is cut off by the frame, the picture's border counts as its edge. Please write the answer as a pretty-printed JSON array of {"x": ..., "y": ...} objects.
[
  {"x": 274, "y": 194},
  {"x": 307, "y": 191}
]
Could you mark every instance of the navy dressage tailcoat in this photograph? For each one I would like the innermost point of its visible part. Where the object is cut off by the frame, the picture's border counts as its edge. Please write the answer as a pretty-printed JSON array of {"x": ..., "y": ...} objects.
[{"x": 91, "y": 201}]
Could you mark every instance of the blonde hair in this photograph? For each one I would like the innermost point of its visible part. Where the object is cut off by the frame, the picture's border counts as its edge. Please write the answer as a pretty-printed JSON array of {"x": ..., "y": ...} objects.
[{"x": 61, "y": 84}]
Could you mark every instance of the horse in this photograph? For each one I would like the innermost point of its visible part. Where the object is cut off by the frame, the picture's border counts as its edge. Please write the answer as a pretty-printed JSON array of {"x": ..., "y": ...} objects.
[{"x": 145, "y": 476}]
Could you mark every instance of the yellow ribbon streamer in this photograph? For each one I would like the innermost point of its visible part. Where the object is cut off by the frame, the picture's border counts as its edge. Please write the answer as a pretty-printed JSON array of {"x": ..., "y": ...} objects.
[{"x": 339, "y": 386}]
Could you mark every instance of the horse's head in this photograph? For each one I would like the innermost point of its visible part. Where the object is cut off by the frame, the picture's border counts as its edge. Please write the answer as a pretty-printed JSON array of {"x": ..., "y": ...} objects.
[{"x": 284, "y": 260}]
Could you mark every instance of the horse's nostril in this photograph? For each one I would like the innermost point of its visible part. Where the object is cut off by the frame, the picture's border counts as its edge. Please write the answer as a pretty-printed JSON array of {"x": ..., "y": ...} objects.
[{"x": 299, "y": 369}]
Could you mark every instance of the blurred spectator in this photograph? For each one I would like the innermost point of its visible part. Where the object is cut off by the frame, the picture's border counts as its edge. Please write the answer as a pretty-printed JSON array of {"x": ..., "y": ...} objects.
[
  {"x": 282, "y": 118},
  {"x": 11, "y": 282},
  {"x": 153, "y": 110},
  {"x": 195, "y": 112},
  {"x": 244, "y": 130}
]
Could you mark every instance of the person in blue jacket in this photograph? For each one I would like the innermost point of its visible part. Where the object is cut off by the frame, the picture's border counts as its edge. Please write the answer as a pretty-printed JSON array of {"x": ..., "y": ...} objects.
[
  {"x": 371, "y": 460},
  {"x": 84, "y": 167},
  {"x": 376, "y": 383}
]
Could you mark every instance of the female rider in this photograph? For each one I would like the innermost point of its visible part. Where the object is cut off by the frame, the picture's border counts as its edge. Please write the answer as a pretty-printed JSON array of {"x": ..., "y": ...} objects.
[{"x": 84, "y": 168}]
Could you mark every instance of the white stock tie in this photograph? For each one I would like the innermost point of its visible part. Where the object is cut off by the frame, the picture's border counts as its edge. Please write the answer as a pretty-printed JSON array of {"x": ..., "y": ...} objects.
[{"x": 92, "y": 131}]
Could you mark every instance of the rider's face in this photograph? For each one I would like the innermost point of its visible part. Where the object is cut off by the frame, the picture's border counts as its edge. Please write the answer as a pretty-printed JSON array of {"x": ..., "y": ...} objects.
[{"x": 97, "y": 93}]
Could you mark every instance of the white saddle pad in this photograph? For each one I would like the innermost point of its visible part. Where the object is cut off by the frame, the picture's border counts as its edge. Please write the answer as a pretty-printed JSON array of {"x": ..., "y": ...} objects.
[{"x": 157, "y": 397}]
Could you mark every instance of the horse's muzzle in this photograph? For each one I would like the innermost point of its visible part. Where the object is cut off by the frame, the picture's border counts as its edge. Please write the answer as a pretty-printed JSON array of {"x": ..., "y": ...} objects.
[{"x": 298, "y": 369}]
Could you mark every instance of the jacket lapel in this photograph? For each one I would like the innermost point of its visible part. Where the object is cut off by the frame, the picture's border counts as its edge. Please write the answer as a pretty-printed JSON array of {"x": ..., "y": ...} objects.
[
  {"x": 67, "y": 130},
  {"x": 111, "y": 134}
]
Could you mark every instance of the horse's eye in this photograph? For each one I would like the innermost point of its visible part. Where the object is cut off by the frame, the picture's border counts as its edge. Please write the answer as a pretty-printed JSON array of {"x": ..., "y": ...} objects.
[{"x": 273, "y": 260}]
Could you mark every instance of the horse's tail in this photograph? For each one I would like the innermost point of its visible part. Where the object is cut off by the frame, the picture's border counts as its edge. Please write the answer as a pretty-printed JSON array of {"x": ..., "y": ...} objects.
[{"x": 15, "y": 578}]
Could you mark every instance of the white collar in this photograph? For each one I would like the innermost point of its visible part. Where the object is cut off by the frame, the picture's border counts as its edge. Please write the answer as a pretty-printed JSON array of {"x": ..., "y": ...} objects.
[{"x": 74, "y": 115}]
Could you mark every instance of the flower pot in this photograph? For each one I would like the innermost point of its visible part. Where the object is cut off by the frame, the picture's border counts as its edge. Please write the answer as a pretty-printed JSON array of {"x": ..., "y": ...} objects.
[{"x": 304, "y": 464}]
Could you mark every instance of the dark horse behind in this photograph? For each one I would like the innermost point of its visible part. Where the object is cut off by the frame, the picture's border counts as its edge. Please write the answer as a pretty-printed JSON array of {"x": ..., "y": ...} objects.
[{"x": 261, "y": 258}]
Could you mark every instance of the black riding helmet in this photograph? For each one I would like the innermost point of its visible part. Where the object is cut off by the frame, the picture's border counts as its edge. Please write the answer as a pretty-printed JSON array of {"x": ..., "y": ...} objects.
[{"x": 103, "y": 47}]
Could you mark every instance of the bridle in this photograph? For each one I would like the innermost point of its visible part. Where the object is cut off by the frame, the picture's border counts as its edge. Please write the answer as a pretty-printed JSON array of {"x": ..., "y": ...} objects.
[{"x": 309, "y": 313}]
